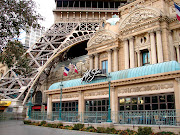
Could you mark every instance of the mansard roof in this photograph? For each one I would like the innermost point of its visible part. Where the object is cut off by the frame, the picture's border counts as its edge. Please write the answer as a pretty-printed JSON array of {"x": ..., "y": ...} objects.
[{"x": 123, "y": 74}]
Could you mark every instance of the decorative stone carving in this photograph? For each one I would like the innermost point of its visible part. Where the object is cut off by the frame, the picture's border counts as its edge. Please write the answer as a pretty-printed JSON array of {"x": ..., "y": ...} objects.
[
  {"x": 101, "y": 36},
  {"x": 139, "y": 15},
  {"x": 96, "y": 93},
  {"x": 64, "y": 96},
  {"x": 146, "y": 88}
]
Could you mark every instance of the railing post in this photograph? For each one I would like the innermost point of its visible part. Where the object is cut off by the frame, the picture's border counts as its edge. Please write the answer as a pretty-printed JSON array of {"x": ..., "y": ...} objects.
[
  {"x": 146, "y": 117},
  {"x": 43, "y": 115},
  {"x": 96, "y": 118},
  {"x": 123, "y": 118}
]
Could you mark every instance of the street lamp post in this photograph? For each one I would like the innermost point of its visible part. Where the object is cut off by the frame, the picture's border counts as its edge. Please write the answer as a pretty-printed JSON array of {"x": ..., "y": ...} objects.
[
  {"x": 60, "y": 109},
  {"x": 30, "y": 105},
  {"x": 109, "y": 107}
]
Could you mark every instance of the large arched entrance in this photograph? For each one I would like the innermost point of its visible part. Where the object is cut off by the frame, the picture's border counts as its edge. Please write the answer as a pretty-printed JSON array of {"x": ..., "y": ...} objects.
[{"x": 43, "y": 55}]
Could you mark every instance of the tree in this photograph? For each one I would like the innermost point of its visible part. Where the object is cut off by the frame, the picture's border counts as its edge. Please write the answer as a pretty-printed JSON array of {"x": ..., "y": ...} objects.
[
  {"x": 13, "y": 55},
  {"x": 16, "y": 15}
]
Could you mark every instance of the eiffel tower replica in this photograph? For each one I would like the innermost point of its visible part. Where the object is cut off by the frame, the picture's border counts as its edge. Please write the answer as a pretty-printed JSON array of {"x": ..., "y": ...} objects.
[{"x": 75, "y": 21}]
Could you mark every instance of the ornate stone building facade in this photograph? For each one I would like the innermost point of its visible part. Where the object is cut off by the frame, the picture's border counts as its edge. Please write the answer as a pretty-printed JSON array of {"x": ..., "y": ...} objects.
[{"x": 139, "y": 47}]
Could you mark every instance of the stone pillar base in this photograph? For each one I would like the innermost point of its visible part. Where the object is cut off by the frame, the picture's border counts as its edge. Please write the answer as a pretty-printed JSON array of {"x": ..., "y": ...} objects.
[{"x": 107, "y": 124}]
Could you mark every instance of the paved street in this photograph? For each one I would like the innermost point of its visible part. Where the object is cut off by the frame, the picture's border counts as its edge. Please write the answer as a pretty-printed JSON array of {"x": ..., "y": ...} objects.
[{"x": 18, "y": 128}]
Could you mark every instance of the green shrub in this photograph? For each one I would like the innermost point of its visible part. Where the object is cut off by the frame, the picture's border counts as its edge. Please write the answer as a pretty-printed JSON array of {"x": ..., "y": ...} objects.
[
  {"x": 165, "y": 133},
  {"x": 91, "y": 129},
  {"x": 111, "y": 130},
  {"x": 68, "y": 127},
  {"x": 144, "y": 131},
  {"x": 101, "y": 130},
  {"x": 27, "y": 122},
  {"x": 42, "y": 123},
  {"x": 59, "y": 125},
  {"x": 49, "y": 125},
  {"x": 78, "y": 126},
  {"x": 54, "y": 126},
  {"x": 126, "y": 132}
]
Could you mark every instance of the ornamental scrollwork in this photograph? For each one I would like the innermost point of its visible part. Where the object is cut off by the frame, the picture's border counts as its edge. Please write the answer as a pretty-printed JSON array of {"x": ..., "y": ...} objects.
[
  {"x": 139, "y": 15},
  {"x": 146, "y": 88},
  {"x": 95, "y": 93}
]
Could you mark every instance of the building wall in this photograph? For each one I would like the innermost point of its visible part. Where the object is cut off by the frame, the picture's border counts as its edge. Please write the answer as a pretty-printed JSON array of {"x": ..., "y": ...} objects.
[{"x": 143, "y": 25}]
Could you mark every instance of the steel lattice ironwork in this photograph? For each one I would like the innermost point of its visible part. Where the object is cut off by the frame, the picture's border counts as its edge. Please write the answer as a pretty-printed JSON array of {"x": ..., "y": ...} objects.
[{"x": 43, "y": 56}]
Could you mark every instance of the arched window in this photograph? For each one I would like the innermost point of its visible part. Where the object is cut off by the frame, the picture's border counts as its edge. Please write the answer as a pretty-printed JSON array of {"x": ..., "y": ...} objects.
[{"x": 38, "y": 97}]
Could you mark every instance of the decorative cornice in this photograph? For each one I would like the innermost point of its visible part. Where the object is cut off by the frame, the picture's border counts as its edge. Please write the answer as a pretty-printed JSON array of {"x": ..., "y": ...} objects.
[
  {"x": 120, "y": 82},
  {"x": 146, "y": 88}
]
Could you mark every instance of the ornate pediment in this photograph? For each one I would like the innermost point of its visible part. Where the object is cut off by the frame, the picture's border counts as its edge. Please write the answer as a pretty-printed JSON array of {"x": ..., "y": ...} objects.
[
  {"x": 139, "y": 15},
  {"x": 100, "y": 37}
]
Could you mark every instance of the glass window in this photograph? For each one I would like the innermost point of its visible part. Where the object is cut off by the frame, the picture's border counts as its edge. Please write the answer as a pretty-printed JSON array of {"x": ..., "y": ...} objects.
[
  {"x": 162, "y": 98},
  {"x": 103, "y": 108},
  {"x": 103, "y": 102},
  {"x": 134, "y": 107},
  {"x": 117, "y": 4},
  {"x": 97, "y": 105},
  {"x": 88, "y": 3},
  {"x": 111, "y": 4},
  {"x": 141, "y": 107},
  {"x": 82, "y": 3},
  {"x": 134, "y": 100},
  {"x": 105, "y": 66},
  {"x": 162, "y": 106},
  {"x": 76, "y": 4},
  {"x": 94, "y": 4},
  {"x": 145, "y": 58},
  {"x": 94, "y": 108},
  {"x": 121, "y": 108},
  {"x": 99, "y": 102},
  {"x": 171, "y": 106},
  {"x": 65, "y": 3},
  {"x": 147, "y": 102},
  {"x": 154, "y": 99},
  {"x": 100, "y": 4},
  {"x": 154, "y": 106},
  {"x": 140, "y": 100},
  {"x": 147, "y": 107},
  {"x": 127, "y": 107},
  {"x": 170, "y": 98},
  {"x": 59, "y": 3},
  {"x": 106, "y": 4},
  {"x": 128, "y": 100},
  {"x": 71, "y": 3},
  {"x": 66, "y": 106},
  {"x": 122, "y": 101},
  {"x": 147, "y": 99}
]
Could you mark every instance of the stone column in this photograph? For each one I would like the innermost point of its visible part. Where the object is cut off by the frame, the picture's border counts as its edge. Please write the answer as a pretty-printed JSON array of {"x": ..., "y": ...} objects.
[
  {"x": 131, "y": 46},
  {"x": 177, "y": 52},
  {"x": 109, "y": 60},
  {"x": 96, "y": 61},
  {"x": 81, "y": 106},
  {"x": 153, "y": 48},
  {"x": 177, "y": 99},
  {"x": 139, "y": 58},
  {"x": 159, "y": 46},
  {"x": 114, "y": 105},
  {"x": 149, "y": 49},
  {"x": 171, "y": 46},
  {"x": 91, "y": 62},
  {"x": 126, "y": 54},
  {"x": 115, "y": 59},
  {"x": 49, "y": 107}
]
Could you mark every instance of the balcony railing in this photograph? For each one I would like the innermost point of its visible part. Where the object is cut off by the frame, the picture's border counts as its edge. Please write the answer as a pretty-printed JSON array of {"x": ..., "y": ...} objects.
[
  {"x": 156, "y": 117},
  {"x": 85, "y": 9}
]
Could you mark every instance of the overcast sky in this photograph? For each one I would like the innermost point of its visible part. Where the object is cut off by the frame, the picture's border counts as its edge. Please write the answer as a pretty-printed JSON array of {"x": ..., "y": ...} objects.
[{"x": 45, "y": 7}]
